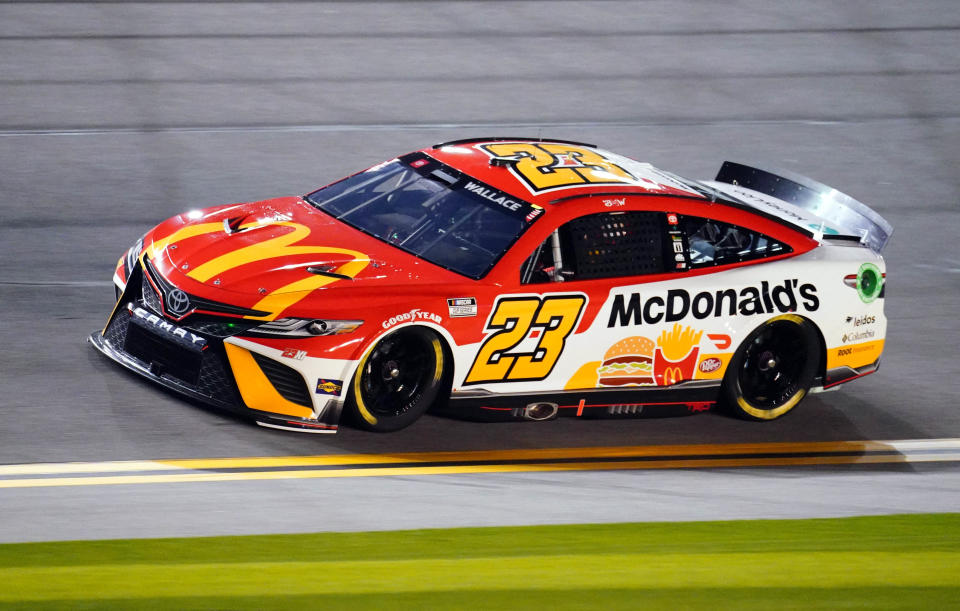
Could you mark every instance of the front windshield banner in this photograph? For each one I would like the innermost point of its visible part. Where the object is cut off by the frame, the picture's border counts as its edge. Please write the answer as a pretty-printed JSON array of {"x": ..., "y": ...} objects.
[{"x": 430, "y": 210}]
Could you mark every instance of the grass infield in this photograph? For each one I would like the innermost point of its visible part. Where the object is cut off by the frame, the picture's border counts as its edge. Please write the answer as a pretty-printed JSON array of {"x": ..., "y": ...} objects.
[{"x": 886, "y": 562}]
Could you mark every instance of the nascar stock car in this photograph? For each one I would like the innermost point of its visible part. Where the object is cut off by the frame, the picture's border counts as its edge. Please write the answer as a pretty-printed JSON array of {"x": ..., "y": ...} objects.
[{"x": 508, "y": 278}]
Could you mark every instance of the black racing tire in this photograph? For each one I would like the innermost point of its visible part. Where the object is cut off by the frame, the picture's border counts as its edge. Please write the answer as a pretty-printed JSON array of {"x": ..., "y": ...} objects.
[
  {"x": 772, "y": 369},
  {"x": 397, "y": 380}
]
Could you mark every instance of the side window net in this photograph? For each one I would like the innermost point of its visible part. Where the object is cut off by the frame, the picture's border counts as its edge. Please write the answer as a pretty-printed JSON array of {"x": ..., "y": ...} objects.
[
  {"x": 604, "y": 245},
  {"x": 610, "y": 245},
  {"x": 711, "y": 243}
]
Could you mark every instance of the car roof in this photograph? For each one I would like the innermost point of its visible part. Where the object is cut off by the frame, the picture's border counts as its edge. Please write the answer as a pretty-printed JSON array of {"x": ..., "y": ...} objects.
[
  {"x": 546, "y": 172},
  {"x": 543, "y": 171}
]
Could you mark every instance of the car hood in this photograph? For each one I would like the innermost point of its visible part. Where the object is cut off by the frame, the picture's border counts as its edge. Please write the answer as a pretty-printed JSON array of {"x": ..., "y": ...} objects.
[{"x": 271, "y": 255}]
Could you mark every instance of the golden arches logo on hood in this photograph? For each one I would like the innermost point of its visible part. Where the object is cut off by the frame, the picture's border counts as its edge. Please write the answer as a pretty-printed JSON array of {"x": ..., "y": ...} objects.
[{"x": 273, "y": 248}]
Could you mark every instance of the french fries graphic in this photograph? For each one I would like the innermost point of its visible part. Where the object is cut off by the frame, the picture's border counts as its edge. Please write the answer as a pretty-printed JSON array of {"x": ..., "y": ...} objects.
[{"x": 676, "y": 355}]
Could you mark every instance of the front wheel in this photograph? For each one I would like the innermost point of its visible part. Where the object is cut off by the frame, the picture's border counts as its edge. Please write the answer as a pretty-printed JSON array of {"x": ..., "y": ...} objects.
[
  {"x": 773, "y": 369},
  {"x": 398, "y": 380}
]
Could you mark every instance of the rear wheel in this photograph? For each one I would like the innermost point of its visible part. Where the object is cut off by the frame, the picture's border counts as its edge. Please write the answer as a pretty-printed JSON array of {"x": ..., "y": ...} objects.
[
  {"x": 398, "y": 380},
  {"x": 773, "y": 369}
]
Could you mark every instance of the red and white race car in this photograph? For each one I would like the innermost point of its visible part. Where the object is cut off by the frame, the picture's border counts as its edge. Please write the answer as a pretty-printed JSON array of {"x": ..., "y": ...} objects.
[{"x": 508, "y": 278}]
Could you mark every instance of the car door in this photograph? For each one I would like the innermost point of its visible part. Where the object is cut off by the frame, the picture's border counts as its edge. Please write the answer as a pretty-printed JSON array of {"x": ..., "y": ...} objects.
[{"x": 537, "y": 336}]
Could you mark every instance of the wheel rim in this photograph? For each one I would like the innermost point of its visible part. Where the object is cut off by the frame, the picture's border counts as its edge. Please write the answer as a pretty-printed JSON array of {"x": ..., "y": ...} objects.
[
  {"x": 396, "y": 374},
  {"x": 772, "y": 366}
]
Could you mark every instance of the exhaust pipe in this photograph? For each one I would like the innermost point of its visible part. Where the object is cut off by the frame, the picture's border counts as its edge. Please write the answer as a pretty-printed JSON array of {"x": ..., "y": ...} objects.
[{"x": 540, "y": 411}]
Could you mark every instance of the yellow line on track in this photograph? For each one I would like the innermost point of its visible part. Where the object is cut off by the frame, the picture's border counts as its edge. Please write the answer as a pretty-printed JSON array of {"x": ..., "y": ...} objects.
[{"x": 499, "y": 461}]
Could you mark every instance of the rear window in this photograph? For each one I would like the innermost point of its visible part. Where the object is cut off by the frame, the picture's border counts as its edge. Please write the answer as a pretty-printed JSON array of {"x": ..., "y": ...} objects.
[{"x": 711, "y": 242}]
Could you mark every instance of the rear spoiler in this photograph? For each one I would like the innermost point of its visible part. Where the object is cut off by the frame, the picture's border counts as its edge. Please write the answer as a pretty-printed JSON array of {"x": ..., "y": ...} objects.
[{"x": 838, "y": 210}]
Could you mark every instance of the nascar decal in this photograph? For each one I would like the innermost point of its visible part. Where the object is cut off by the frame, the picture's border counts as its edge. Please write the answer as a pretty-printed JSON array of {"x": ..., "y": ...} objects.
[
  {"x": 458, "y": 307},
  {"x": 272, "y": 248},
  {"x": 528, "y": 336}
]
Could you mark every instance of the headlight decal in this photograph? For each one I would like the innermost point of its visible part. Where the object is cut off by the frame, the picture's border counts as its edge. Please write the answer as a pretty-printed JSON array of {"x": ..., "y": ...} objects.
[{"x": 304, "y": 327}]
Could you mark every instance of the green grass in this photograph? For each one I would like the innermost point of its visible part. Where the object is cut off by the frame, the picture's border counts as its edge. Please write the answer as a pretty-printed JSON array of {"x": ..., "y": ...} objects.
[{"x": 889, "y": 562}]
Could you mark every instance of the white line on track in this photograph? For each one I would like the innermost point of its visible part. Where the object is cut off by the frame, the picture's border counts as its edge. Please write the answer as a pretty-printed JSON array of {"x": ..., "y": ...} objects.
[
  {"x": 374, "y": 127},
  {"x": 704, "y": 456}
]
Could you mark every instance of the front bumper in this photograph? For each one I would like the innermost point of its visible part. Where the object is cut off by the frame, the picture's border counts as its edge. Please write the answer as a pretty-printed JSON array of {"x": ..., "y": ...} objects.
[{"x": 205, "y": 376}]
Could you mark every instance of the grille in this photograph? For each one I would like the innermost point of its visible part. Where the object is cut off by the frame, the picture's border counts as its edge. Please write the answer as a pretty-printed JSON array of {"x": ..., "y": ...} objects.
[
  {"x": 116, "y": 333},
  {"x": 150, "y": 297},
  {"x": 198, "y": 303},
  {"x": 211, "y": 376},
  {"x": 164, "y": 356},
  {"x": 215, "y": 379},
  {"x": 288, "y": 382}
]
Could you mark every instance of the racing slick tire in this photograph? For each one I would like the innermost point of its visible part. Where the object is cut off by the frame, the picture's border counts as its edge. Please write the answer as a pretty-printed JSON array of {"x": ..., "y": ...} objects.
[
  {"x": 397, "y": 380},
  {"x": 772, "y": 369}
]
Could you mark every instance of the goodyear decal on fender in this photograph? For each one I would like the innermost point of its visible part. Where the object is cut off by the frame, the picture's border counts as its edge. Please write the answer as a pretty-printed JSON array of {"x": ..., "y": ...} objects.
[{"x": 413, "y": 315}]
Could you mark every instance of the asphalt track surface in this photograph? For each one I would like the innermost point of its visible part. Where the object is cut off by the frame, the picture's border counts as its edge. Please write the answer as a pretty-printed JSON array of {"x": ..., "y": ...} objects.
[{"x": 114, "y": 116}]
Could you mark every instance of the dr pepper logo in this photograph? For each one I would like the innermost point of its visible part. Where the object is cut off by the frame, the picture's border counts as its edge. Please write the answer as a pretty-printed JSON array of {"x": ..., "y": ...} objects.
[{"x": 709, "y": 365}]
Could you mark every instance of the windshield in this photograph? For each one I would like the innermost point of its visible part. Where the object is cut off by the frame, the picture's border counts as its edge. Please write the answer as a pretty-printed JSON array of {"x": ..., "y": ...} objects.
[{"x": 430, "y": 210}]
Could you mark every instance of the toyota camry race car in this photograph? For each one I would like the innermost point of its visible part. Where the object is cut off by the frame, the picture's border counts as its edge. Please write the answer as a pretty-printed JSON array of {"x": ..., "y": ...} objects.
[{"x": 508, "y": 278}]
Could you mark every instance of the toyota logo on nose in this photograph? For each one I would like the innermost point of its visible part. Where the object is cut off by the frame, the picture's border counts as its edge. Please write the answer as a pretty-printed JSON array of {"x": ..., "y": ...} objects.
[{"x": 177, "y": 302}]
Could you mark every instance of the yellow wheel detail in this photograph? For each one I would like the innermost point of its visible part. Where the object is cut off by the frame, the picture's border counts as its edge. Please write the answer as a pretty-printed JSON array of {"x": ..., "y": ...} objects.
[
  {"x": 772, "y": 369},
  {"x": 358, "y": 396},
  {"x": 398, "y": 379},
  {"x": 761, "y": 414},
  {"x": 438, "y": 357}
]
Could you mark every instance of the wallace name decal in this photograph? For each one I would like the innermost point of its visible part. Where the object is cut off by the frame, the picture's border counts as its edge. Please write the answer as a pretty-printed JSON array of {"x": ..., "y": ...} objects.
[
  {"x": 493, "y": 196},
  {"x": 789, "y": 296}
]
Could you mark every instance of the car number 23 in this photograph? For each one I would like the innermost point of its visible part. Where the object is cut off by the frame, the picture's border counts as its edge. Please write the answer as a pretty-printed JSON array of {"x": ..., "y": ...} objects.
[{"x": 529, "y": 334}]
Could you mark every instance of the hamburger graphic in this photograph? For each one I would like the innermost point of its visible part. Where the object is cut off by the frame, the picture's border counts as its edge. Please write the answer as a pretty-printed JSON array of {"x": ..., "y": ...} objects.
[{"x": 629, "y": 361}]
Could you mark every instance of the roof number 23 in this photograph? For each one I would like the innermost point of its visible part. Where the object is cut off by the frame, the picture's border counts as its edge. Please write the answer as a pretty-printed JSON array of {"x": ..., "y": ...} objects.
[
  {"x": 547, "y": 166},
  {"x": 529, "y": 336}
]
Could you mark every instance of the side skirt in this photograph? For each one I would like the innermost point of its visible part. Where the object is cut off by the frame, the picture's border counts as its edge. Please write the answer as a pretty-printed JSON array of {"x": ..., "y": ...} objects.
[
  {"x": 841, "y": 375},
  {"x": 649, "y": 402}
]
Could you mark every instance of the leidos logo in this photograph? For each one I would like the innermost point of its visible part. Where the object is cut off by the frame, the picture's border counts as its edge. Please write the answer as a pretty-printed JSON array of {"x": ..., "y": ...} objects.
[
  {"x": 858, "y": 321},
  {"x": 678, "y": 303}
]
